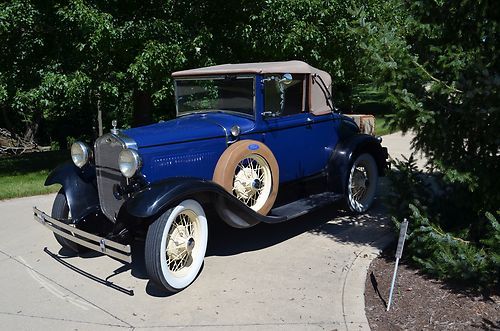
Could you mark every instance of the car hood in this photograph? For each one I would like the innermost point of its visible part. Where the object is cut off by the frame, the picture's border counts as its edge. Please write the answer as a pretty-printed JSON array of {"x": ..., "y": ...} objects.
[{"x": 188, "y": 128}]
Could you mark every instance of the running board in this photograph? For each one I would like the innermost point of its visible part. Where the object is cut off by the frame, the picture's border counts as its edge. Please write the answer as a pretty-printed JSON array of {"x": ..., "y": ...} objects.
[{"x": 302, "y": 207}]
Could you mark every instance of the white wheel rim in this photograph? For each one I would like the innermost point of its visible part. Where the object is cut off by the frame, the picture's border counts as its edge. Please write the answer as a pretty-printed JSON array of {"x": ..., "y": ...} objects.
[
  {"x": 184, "y": 244},
  {"x": 362, "y": 183},
  {"x": 252, "y": 181}
]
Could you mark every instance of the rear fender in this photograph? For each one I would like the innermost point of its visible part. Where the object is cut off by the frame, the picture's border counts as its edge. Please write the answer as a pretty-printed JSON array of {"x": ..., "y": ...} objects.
[
  {"x": 79, "y": 186},
  {"x": 342, "y": 157}
]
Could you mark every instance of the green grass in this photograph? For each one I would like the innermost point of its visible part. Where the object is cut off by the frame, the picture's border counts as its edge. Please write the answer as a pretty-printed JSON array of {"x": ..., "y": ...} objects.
[
  {"x": 371, "y": 101},
  {"x": 381, "y": 128},
  {"x": 24, "y": 175}
]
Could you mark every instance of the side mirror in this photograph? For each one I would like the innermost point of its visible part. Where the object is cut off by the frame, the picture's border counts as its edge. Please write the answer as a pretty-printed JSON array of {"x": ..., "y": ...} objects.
[
  {"x": 268, "y": 114},
  {"x": 280, "y": 83},
  {"x": 286, "y": 79}
]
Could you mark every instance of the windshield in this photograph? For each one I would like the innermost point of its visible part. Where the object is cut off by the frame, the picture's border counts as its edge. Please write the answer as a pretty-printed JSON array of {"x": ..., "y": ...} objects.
[{"x": 223, "y": 93}]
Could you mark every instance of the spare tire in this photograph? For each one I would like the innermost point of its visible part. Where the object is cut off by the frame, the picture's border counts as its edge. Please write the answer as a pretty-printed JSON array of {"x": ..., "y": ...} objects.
[{"x": 248, "y": 170}]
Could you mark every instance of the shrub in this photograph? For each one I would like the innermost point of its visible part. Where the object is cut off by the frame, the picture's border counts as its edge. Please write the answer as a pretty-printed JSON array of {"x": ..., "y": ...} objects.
[{"x": 446, "y": 249}]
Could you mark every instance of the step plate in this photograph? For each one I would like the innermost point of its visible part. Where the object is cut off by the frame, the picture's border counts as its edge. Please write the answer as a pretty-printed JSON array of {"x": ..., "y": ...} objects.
[{"x": 306, "y": 205}]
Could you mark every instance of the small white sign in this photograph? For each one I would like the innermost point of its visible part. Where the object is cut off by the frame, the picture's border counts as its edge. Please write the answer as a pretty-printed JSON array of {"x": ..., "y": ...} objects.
[
  {"x": 402, "y": 237},
  {"x": 399, "y": 252}
]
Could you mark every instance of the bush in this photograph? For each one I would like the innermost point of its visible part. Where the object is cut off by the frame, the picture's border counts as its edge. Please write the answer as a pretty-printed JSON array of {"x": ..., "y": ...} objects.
[{"x": 446, "y": 248}]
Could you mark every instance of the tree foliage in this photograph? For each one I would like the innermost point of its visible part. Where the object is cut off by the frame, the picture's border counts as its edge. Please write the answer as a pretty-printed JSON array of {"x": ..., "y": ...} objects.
[
  {"x": 439, "y": 66},
  {"x": 64, "y": 60},
  {"x": 443, "y": 77}
]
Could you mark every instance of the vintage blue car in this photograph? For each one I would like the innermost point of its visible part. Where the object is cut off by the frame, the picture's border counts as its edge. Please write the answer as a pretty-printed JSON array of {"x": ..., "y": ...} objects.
[{"x": 256, "y": 142}]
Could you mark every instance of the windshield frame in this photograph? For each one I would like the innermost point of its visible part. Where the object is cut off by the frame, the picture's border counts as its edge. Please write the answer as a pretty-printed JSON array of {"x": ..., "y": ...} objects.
[{"x": 218, "y": 77}]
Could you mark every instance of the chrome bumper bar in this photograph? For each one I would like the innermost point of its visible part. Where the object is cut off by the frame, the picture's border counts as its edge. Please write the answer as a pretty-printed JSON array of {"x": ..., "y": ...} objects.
[{"x": 89, "y": 240}]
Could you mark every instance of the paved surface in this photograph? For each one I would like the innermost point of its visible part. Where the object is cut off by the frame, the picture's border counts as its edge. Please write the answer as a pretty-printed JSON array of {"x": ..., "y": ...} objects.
[
  {"x": 399, "y": 147},
  {"x": 306, "y": 274}
]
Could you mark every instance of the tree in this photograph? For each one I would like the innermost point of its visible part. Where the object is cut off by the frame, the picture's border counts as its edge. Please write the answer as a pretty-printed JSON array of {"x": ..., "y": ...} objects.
[
  {"x": 66, "y": 61},
  {"x": 438, "y": 63}
]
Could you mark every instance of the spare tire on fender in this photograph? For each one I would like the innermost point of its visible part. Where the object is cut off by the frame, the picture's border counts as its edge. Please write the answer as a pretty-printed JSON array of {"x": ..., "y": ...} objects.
[{"x": 248, "y": 170}]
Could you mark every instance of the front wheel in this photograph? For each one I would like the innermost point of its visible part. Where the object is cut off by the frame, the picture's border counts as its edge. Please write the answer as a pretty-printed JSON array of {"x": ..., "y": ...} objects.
[
  {"x": 362, "y": 183},
  {"x": 175, "y": 247}
]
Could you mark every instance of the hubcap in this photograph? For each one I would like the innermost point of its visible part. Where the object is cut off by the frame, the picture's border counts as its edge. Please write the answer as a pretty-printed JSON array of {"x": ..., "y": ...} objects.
[
  {"x": 181, "y": 242},
  {"x": 252, "y": 181},
  {"x": 257, "y": 184},
  {"x": 190, "y": 244},
  {"x": 359, "y": 183}
]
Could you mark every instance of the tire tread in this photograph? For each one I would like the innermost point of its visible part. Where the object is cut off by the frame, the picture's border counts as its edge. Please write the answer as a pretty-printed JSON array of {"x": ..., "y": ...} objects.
[
  {"x": 60, "y": 210},
  {"x": 152, "y": 246}
]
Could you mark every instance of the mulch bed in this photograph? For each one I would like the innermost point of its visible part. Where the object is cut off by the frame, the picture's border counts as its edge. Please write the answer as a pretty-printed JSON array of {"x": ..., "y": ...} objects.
[{"x": 421, "y": 303}]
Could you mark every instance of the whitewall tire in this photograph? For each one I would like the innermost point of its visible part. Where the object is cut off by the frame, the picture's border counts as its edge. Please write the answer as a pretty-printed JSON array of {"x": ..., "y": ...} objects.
[{"x": 175, "y": 247}]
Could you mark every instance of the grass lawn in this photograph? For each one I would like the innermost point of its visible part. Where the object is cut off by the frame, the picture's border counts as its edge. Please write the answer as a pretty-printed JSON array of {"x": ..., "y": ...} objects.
[
  {"x": 24, "y": 175},
  {"x": 381, "y": 128},
  {"x": 371, "y": 101}
]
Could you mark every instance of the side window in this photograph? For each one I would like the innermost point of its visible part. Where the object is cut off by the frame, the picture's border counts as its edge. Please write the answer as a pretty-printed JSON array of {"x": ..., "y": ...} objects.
[{"x": 284, "y": 98}]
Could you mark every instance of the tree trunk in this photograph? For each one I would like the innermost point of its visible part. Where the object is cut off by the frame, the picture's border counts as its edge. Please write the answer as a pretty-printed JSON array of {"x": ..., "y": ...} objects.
[
  {"x": 6, "y": 120},
  {"x": 32, "y": 126},
  {"x": 99, "y": 115},
  {"x": 143, "y": 108}
]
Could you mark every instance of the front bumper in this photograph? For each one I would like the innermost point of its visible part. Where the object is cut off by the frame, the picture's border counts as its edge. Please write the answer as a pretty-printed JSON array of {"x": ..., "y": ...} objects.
[{"x": 89, "y": 240}]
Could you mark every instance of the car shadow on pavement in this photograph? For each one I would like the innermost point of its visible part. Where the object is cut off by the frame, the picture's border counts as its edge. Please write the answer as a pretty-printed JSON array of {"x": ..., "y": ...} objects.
[{"x": 331, "y": 221}]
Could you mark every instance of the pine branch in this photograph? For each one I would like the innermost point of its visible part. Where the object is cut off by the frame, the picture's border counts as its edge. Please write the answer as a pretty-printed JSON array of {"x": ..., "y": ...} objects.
[{"x": 421, "y": 67}]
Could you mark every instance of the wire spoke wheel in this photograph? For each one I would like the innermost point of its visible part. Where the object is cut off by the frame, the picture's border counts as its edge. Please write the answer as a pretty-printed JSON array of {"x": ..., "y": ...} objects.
[
  {"x": 362, "y": 183},
  {"x": 252, "y": 181},
  {"x": 181, "y": 241},
  {"x": 175, "y": 246}
]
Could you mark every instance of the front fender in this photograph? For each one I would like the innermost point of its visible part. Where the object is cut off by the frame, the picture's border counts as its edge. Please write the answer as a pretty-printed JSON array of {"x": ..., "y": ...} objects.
[
  {"x": 345, "y": 151},
  {"x": 79, "y": 187},
  {"x": 157, "y": 198}
]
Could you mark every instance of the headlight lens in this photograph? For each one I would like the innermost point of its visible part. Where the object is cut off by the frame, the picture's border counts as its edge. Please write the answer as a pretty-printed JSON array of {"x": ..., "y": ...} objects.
[
  {"x": 80, "y": 154},
  {"x": 129, "y": 162}
]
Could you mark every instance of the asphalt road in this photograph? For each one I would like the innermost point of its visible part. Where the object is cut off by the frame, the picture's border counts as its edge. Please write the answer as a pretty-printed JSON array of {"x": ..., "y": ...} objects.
[{"x": 307, "y": 274}]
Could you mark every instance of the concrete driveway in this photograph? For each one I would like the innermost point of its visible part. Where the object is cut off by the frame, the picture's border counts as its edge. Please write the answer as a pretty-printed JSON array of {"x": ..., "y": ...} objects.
[{"x": 306, "y": 274}]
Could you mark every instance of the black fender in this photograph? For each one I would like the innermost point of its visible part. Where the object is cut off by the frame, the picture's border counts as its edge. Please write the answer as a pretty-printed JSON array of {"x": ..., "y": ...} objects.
[
  {"x": 152, "y": 201},
  {"x": 79, "y": 186},
  {"x": 344, "y": 153}
]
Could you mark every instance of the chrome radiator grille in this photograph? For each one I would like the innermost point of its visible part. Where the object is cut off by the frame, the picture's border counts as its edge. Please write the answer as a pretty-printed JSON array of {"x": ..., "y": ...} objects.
[{"x": 107, "y": 149}]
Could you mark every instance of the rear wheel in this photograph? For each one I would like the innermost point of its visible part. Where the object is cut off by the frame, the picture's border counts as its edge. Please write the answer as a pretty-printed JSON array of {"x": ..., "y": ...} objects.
[
  {"x": 175, "y": 246},
  {"x": 61, "y": 212},
  {"x": 362, "y": 183}
]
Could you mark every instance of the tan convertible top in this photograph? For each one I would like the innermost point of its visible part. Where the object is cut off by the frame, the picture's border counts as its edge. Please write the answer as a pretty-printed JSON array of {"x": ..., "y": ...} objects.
[
  {"x": 317, "y": 101},
  {"x": 293, "y": 67}
]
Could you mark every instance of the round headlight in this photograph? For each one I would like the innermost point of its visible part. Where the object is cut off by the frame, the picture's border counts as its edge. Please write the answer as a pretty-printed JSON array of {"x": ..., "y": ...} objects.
[
  {"x": 80, "y": 154},
  {"x": 129, "y": 162}
]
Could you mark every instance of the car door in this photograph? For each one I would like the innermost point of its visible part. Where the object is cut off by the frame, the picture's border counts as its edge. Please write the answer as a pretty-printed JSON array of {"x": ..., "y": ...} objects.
[{"x": 299, "y": 140}]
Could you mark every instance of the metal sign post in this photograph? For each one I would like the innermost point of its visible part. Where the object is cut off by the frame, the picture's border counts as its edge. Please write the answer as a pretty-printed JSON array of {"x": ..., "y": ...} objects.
[{"x": 399, "y": 252}]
